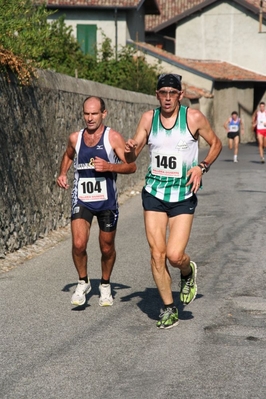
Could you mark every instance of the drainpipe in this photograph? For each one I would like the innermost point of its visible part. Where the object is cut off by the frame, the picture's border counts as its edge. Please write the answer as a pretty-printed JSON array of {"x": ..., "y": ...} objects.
[
  {"x": 260, "y": 16},
  {"x": 116, "y": 34}
]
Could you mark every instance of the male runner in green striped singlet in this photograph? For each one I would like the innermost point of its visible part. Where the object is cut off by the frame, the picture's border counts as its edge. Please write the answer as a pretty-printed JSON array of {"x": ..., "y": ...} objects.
[{"x": 172, "y": 181}]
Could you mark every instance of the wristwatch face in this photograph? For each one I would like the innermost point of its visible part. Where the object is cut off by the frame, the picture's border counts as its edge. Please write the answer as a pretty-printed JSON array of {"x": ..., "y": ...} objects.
[{"x": 206, "y": 167}]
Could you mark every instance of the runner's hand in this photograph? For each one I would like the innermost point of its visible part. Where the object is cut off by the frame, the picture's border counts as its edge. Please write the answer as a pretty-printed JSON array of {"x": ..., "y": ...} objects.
[
  {"x": 130, "y": 145},
  {"x": 101, "y": 165},
  {"x": 62, "y": 182},
  {"x": 194, "y": 175}
]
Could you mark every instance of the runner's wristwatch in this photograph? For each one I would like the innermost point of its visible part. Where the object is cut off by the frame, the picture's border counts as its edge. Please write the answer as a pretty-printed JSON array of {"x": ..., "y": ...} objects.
[{"x": 205, "y": 166}]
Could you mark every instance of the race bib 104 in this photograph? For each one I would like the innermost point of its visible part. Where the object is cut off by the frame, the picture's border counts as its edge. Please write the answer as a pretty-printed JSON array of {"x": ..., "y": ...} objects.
[{"x": 92, "y": 189}]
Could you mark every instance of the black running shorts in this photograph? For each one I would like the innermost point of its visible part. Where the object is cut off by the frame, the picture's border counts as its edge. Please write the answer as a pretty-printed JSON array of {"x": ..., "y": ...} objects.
[
  {"x": 151, "y": 203},
  {"x": 107, "y": 220},
  {"x": 232, "y": 135}
]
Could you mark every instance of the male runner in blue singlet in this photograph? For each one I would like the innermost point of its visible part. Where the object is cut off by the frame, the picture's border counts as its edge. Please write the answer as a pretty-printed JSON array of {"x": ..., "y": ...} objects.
[
  {"x": 98, "y": 154},
  {"x": 233, "y": 126},
  {"x": 169, "y": 195}
]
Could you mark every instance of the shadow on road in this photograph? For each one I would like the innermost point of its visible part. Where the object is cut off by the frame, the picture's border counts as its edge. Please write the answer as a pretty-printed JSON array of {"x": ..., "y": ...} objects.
[
  {"x": 94, "y": 291},
  {"x": 150, "y": 303}
]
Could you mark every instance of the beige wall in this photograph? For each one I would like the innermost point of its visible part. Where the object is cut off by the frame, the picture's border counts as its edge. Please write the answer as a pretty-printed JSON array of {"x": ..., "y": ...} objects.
[
  {"x": 226, "y": 32},
  {"x": 234, "y": 97}
]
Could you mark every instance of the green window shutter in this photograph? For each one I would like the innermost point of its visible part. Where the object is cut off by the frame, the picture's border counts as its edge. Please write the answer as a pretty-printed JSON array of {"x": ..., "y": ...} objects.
[{"x": 86, "y": 36}]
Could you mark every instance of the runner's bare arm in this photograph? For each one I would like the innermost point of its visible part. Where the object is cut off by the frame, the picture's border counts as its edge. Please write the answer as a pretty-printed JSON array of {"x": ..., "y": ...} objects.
[
  {"x": 118, "y": 144},
  {"x": 66, "y": 162},
  {"x": 200, "y": 126},
  {"x": 226, "y": 124},
  {"x": 134, "y": 146}
]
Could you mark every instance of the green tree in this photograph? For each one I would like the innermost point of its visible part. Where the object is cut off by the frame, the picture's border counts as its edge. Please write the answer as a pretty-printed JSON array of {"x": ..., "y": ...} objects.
[
  {"x": 23, "y": 27},
  {"x": 130, "y": 71},
  {"x": 28, "y": 41},
  {"x": 61, "y": 52}
]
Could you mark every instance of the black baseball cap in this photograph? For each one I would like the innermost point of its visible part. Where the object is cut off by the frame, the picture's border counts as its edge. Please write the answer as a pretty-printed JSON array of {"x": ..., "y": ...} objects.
[{"x": 169, "y": 80}]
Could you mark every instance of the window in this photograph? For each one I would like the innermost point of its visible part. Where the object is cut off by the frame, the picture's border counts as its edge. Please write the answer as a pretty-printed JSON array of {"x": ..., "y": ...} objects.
[{"x": 86, "y": 36}]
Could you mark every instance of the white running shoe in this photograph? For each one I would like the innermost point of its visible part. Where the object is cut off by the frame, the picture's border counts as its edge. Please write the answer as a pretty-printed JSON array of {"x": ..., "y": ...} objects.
[
  {"x": 79, "y": 296},
  {"x": 106, "y": 298}
]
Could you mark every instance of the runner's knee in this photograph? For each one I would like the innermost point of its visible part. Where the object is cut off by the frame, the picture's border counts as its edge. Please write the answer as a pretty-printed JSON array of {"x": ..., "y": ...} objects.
[
  {"x": 176, "y": 259},
  {"x": 158, "y": 258},
  {"x": 79, "y": 246},
  {"x": 108, "y": 250}
]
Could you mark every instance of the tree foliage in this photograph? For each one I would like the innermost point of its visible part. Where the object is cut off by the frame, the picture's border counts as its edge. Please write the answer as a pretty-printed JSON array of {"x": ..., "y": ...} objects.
[
  {"x": 28, "y": 41},
  {"x": 16, "y": 65},
  {"x": 128, "y": 70}
]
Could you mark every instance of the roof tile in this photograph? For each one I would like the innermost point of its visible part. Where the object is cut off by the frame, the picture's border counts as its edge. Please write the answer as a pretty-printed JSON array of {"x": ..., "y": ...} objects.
[
  {"x": 170, "y": 9},
  {"x": 90, "y": 3},
  {"x": 216, "y": 70}
]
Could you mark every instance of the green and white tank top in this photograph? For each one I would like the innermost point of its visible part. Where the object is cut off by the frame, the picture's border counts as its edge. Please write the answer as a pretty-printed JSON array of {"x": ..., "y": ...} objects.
[{"x": 172, "y": 153}]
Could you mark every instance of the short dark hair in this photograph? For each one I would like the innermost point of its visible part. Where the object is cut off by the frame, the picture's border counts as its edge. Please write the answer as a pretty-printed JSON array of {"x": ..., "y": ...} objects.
[
  {"x": 262, "y": 103},
  {"x": 103, "y": 108},
  {"x": 234, "y": 113}
]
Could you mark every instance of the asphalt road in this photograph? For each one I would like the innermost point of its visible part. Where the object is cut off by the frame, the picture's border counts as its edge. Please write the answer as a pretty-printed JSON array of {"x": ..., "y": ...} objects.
[{"x": 50, "y": 350}]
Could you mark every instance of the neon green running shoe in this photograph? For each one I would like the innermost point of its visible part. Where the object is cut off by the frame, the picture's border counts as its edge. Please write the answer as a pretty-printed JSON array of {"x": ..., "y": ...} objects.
[
  {"x": 188, "y": 290},
  {"x": 168, "y": 318}
]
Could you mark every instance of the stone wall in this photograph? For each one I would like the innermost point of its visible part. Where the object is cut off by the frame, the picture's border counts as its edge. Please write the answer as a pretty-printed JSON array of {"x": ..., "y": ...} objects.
[{"x": 34, "y": 126}]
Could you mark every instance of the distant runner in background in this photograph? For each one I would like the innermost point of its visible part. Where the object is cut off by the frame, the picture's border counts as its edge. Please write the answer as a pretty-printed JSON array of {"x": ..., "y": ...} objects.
[
  {"x": 259, "y": 123},
  {"x": 233, "y": 126}
]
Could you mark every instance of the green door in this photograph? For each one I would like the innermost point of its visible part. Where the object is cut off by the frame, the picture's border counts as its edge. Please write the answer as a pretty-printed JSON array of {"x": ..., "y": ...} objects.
[{"x": 86, "y": 35}]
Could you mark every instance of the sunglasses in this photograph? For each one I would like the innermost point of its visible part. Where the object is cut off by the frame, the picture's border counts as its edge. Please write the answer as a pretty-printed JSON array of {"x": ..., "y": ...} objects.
[{"x": 165, "y": 93}]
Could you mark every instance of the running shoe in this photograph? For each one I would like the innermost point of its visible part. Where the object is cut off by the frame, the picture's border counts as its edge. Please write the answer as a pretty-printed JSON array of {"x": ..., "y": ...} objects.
[
  {"x": 262, "y": 160},
  {"x": 106, "y": 298},
  {"x": 168, "y": 318},
  {"x": 79, "y": 296},
  {"x": 188, "y": 290}
]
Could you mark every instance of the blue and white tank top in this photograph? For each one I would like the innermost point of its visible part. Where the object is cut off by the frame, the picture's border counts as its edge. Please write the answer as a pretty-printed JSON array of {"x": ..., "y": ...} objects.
[
  {"x": 96, "y": 191},
  {"x": 234, "y": 125}
]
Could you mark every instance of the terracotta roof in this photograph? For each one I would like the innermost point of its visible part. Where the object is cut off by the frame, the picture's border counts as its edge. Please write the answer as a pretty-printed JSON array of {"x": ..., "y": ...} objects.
[
  {"x": 214, "y": 70},
  {"x": 169, "y": 9},
  {"x": 99, "y": 3},
  {"x": 102, "y": 3},
  {"x": 194, "y": 93},
  {"x": 172, "y": 11}
]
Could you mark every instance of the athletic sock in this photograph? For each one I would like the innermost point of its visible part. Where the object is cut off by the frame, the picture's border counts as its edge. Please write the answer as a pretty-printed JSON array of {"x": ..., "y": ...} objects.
[
  {"x": 186, "y": 277},
  {"x": 84, "y": 279},
  {"x": 169, "y": 306},
  {"x": 103, "y": 281}
]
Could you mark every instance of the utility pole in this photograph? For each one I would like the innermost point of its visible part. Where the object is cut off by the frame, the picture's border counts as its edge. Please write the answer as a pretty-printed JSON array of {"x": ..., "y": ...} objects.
[
  {"x": 260, "y": 16},
  {"x": 115, "y": 33}
]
